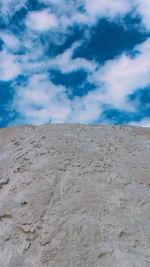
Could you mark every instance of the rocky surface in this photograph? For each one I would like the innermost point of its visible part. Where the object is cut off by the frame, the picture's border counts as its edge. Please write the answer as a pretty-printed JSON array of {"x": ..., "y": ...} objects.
[{"x": 74, "y": 195}]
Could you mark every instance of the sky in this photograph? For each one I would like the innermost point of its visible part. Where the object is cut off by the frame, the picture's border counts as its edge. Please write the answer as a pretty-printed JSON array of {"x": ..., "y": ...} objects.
[{"x": 69, "y": 61}]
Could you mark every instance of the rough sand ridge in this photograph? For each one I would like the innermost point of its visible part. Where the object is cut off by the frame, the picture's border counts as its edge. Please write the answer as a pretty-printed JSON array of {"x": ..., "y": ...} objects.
[{"x": 74, "y": 195}]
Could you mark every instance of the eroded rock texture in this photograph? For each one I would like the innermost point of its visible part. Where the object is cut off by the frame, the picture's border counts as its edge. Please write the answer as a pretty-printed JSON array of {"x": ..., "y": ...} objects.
[{"x": 74, "y": 195}]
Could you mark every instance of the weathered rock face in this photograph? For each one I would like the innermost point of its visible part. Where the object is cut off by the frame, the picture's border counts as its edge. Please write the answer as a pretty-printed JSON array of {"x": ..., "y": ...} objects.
[{"x": 74, "y": 195}]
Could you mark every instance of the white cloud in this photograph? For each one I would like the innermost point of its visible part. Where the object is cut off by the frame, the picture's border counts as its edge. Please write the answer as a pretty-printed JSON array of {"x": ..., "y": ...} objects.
[
  {"x": 54, "y": 2},
  {"x": 9, "y": 7},
  {"x": 35, "y": 61},
  {"x": 143, "y": 9},
  {"x": 10, "y": 40},
  {"x": 69, "y": 14},
  {"x": 41, "y": 101},
  {"x": 143, "y": 123},
  {"x": 122, "y": 76},
  {"x": 86, "y": 109},
  {"x": 41, "y": 20},
  {"x": 65, "y": 63},
  {"x": 9, "y": 68},
  {"x": 106, "y": 8}
]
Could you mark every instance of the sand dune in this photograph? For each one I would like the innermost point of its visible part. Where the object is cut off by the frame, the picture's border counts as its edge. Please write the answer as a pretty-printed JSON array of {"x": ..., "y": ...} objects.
[{"x": 74, "y": 195}]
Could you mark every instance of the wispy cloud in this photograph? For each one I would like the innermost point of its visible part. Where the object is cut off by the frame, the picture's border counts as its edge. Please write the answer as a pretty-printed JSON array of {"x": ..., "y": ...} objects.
[
  {"x": 106, "y": 8},
  {"x": 89, "y": 12},
  {"x": 65, "y": 63},
  {"x": 9, "y": 68},
  {"x": 9, "y": 7},
  {"x": 142, "y": 123}
]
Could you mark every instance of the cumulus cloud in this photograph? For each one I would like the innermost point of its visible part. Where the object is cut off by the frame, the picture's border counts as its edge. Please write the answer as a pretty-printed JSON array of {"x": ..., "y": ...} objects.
[
  {"x": 42, "y": 20},
  {"x": 40, "y": 101},
  {"x": 9, "y": 68},
  {"x": 10, "y": 40},
  {"x": 122, "y": 76},
  {"x": 86, "y": 109},
  {"x": 143, "y": 9}
]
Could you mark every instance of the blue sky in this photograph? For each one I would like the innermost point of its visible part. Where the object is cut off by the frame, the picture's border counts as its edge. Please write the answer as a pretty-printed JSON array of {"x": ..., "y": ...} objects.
[{"x": 67, "y": 61}]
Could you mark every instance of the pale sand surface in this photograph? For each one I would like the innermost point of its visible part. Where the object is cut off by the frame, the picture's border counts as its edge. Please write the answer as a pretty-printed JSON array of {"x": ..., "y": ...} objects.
[{"x": 74, "y": 195}]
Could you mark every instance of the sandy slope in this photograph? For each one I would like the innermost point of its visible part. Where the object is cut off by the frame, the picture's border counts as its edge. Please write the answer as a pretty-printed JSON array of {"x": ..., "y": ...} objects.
[{"x": 74, "y": 195}]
